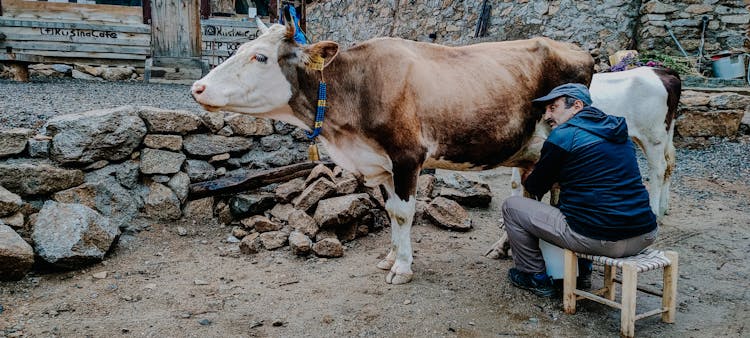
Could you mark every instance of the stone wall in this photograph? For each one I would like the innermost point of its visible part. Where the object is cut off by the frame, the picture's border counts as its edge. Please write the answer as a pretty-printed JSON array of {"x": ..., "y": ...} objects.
[
  {"x": 726, "y": 28},
  {"x": 600, "y": 26}
]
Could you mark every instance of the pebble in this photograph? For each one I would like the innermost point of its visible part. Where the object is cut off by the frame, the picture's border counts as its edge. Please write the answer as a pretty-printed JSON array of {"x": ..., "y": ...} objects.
[
  {"x": 181, "y": 231},
  {"x": 150, "y": 286},
  {"x": 407, "y": 302},
  {"x": 204, "y": 322},
  {"x": 232, "y": 239},
  {"x": 100, "y": 275},
  {"x": 200, "y": 282}
]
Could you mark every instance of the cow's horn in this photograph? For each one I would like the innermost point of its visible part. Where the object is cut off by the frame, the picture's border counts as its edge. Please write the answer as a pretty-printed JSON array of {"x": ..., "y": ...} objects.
[{"x": 263, "y": 28}]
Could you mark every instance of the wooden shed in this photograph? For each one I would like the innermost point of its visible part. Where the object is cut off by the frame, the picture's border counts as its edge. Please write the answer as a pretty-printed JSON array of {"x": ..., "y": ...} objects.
[{"x": 174, "y": 41}]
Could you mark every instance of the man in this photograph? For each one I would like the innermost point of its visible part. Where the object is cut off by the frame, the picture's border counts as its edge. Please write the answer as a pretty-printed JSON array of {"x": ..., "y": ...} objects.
[{"x": 604, "y": 207}]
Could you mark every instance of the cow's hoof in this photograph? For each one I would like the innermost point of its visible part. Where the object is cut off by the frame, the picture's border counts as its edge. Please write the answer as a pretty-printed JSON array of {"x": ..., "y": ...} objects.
[
  {"x": 385, "y": 264},
  {"x": 398, "y": 278}
]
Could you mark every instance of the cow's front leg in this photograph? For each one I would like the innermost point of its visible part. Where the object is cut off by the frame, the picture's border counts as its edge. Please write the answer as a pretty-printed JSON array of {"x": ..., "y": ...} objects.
[
  {"x": 401, "y": 213},
  {"x": 401, "y": 205}
]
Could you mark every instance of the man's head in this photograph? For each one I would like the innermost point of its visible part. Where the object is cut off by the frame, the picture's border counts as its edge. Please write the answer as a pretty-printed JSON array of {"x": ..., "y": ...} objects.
[{"x": 563, "y": 102}]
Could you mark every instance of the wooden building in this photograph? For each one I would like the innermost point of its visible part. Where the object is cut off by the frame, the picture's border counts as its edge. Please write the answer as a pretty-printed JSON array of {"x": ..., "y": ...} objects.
[{"x": 173, "y": 41}]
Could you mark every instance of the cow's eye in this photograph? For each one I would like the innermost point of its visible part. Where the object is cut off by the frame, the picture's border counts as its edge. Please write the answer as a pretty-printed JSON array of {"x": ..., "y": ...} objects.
[{"x": 261, "y": 58}]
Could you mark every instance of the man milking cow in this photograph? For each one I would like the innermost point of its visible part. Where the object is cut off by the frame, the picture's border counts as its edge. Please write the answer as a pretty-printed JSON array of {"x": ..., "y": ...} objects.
[{"x": 603, "y": 207}]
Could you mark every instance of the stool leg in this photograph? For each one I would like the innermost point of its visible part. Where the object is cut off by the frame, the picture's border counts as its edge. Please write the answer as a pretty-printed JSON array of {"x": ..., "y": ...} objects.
[
  {"x": 569, "y": 282},
  {"x": 609, "y": 281},
  {"x": 629, "y": 289},
  {"x": 669, "y": 297}
]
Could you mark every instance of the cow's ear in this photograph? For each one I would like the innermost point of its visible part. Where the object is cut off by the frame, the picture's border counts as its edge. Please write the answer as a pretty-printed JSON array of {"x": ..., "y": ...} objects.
[{"x": 327, "y": 50}]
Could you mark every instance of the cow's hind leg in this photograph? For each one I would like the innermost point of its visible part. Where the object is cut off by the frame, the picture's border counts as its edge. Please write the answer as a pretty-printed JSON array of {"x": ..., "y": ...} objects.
[
  {"x": 670, "y": 159},
  {"x": 387, "y": 262},
  {"x": 657, "y": 165}
]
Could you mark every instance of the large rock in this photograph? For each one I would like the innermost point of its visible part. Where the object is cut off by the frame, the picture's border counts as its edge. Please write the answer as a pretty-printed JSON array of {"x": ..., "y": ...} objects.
[
  {"x": 328, "y": 247},
  {"x": 35, "y": 177},
  {"x": 273, "y": 240},
  {"x": 302, "y": 222},
  {"x": 261, "y": 224},
  {"x": 464, "y": 191},
  {"x": 288, "y": 190},
  {"x": 117, "y": 73},
  {"x": 169, "y": 142},
  {"x": 16, "y": 256},
  {"x": 107, "y": 197},
  {"x": 244, "y": 125},
  {"x": 208, "y": 145},
  {"x": 448, "y": 214},
  {"x": 180, "y": 184},
  {"x": 107, "y": 134},
  {"x": 214, "y": 121},
  {"x": 724, "y": 123},
  {"x": 343, "y": 209},
  {"x": 299, "y": 243},
  {"x": 72, "y": 235},
  {"x": 155, "y": 161},
  {"x": 127, "y": 174},
  {"x": 169, "y": 121},
  {"x": 9, "y": 202},
  {"x": 198, "y": 170},
  {"x": 13, "y": 141},
  {"x": 162, "y": 203},
  {"x": 316, "y": 191},
  {"x": 250, "y": 204}
]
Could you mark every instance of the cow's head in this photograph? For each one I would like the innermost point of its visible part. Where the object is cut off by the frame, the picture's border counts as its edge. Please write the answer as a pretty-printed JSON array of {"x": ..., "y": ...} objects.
[{"x": 259, "y": 77}]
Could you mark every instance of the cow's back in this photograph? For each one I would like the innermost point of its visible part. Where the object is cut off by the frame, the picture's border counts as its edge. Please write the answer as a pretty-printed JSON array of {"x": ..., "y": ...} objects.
[{"x": 472, "y": 104}]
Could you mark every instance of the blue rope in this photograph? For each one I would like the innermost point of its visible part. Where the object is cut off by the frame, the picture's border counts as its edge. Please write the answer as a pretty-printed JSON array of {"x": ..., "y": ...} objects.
[{"x": 320, "y": 113}]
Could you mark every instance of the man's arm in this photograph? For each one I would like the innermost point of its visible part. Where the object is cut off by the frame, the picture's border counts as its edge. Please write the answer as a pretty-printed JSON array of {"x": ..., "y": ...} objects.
[{"x": 547, "y": 171}]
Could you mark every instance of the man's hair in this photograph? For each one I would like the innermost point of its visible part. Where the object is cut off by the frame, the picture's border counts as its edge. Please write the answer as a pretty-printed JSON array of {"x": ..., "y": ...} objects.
[{"x": 569, "y": 101}]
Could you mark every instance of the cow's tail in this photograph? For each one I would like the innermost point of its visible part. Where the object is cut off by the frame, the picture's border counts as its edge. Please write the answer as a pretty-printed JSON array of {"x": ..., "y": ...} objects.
[{"x": 673, "y": 84}]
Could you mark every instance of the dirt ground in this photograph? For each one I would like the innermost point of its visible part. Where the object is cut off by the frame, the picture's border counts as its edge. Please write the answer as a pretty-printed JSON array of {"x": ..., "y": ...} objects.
[{"x": 160, "y": 284}]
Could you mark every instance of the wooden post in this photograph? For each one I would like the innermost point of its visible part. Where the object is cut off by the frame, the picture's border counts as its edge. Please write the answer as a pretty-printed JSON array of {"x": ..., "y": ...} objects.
[
  {"x": 629, "y": 290},
  {"x": 569, "y": 281},
  {"x": 205, "y": 9},
  {"x": 609, "y": 281},
  {"x": 669, "y": 294},
  {"x": 1, "y": 7}
]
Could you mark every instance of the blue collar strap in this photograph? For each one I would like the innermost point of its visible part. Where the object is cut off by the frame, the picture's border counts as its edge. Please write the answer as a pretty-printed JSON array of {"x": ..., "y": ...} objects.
[{"x": 320, "y": 113}]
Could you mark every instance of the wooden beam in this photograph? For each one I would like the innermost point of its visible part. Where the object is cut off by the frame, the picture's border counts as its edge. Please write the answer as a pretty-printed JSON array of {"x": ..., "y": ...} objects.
[
  {"x": 77, "y": 47},
  {"x": 234, "y": 184},
  {"x": 139, "y": 28},
  {"x": 205, "y": 9},
  {"x": 72, "y": 11}
]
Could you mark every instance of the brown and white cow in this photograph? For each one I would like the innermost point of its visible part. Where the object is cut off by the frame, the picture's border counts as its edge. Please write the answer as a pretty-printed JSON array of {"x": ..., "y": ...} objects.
[{"x": 397, "y": 106}]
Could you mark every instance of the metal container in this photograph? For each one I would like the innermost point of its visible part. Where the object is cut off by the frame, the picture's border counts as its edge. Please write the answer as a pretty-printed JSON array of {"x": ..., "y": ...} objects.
[{"x": 728, "y": 66}]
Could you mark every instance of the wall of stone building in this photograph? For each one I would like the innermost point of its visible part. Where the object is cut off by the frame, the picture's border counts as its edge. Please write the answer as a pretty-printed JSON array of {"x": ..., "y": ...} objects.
[
  {"x": 600, "y": 26},
  {"x": 726, "y": 28}
]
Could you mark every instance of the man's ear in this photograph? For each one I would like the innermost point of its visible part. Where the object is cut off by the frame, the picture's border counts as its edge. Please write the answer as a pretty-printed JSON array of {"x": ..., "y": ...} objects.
[{"x": 327, "y": 50}]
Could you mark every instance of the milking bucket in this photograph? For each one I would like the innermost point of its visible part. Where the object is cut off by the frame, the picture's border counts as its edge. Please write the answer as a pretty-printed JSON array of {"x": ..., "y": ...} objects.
[
  {"x": 726, "y": 65},
  {"x": 553, "y": 259}
]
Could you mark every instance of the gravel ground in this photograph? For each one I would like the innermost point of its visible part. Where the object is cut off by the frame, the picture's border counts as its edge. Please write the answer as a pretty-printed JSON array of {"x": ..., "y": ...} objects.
[{"x": 28, "y": 105}]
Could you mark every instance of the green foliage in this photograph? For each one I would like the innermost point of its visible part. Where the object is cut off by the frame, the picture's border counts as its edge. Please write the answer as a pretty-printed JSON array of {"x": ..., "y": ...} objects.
[{"x": 679, "y": 64}]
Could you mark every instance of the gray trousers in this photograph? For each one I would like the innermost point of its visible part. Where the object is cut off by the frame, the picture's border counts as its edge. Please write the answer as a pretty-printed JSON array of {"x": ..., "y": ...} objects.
[{"x": 528, "y": 220}]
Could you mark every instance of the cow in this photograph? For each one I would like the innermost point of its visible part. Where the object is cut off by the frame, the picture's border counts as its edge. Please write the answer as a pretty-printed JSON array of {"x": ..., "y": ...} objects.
[
  {"x": 647, "y": 98},
  {"x": 396, "y": 106}
]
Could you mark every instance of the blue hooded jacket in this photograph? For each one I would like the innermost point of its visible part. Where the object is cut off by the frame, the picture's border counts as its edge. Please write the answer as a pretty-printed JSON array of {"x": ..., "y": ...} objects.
[{"x": 601, "y": 192}]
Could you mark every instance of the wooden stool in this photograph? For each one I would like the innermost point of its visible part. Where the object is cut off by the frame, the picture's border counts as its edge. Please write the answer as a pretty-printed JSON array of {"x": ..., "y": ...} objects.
[{"x": 647, "y": 260}]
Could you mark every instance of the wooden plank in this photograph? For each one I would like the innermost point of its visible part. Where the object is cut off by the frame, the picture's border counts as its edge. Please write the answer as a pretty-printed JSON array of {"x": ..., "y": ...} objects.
[
  {"x": 629, "y": 290},
  {"x": 133, "y": 28},
  {"x": 253, "y": 180},
  {"x": 36, "y": 34},
  {"x": 609, "y": 277},
  {"x": 596, "y": 298},
  {"x": 669, "y": 298},
  {"x": 72, "y": 11},
  {"x": 176, "y": 28},
  {"x": 229, "y": 23},
  {"x": 70, "y": 47},
  {"x": 225, "y": 39},
  {"x": 21, "y": 57},
  {"x": 193, "y": 62},
  {"x": 650, "y": 313},
  {"x": 86, "y": 55}
]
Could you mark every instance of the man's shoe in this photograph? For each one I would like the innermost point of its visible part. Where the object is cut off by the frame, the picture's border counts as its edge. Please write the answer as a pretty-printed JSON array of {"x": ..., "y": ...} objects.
[{"x": 538, "y": 283}]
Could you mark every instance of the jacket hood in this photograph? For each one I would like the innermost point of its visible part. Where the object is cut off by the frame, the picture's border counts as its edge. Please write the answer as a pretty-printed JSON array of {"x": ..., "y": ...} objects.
[{"x": 595, "y": 121}]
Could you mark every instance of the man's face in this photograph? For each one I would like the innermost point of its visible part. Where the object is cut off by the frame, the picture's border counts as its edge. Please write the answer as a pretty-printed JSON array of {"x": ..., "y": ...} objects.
[{"x": 556, "y": 114}]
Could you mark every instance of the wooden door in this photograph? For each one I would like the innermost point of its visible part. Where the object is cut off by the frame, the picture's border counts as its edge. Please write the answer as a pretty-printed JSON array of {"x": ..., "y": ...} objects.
[{"x": 175, "y": 27}]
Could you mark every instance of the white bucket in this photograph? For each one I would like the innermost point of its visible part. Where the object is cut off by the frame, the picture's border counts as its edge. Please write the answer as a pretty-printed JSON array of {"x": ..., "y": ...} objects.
[
  {"x": 729, "y": 66},
  {"x": 554, "y": 259},
  {"x": 252, "y": 12}
]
